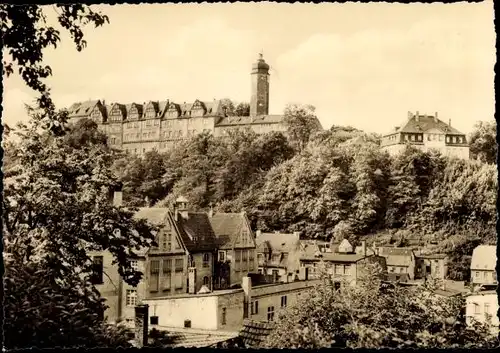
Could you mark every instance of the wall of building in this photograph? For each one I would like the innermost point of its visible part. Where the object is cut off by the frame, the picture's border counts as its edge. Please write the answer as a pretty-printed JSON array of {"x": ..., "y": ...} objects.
[
  {"x": 233, "y": 304},
  {"x": 201, "y": 271},
  {"x": 446, "y": 150},
  {"x": 202, "y": 310},
  {"x": 480, "y": 304},
  {"x": 238, "y": 272},
  {"x": 270, "y": 296},
  {"x": 483, "y": 277}
]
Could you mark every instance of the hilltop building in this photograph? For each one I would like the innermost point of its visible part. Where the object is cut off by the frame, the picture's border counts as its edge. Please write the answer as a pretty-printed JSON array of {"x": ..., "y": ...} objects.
[
  {"x": 426, "y": 132},
  {"x": 160, "y": 125}
]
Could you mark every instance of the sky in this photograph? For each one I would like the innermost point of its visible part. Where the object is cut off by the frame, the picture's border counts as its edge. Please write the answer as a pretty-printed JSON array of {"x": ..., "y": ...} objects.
[{"x": 360, "y": 64}]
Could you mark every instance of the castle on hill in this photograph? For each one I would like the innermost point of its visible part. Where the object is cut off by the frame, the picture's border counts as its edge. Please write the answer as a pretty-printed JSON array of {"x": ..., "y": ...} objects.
[{"x": 160, "y": 125}]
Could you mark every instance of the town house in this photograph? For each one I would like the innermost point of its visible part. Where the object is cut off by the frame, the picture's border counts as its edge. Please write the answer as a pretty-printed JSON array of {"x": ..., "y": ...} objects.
[
  {"x": 483, "y": 266},
  {"x": 278, "y": 255},
  {"x": 183, "y": 261},
  {"x": 401, "y": 263},
  {"x": 343, "y": 265},
  {"x": 432, "y": 265},
  {"x": 236, "y": 248}
]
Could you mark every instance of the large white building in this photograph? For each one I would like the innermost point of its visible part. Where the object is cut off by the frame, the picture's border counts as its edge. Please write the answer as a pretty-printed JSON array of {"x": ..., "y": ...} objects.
[{"x": 426, "y": 132}]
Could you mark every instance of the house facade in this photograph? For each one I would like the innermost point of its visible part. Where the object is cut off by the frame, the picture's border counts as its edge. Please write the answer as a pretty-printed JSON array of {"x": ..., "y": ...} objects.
[
  {"x": 401, "y": 263},
  {"x": 226, "y": 310},
  {"x": 160, "y": 125},
  {"x": 183, "y": 261},
  {"x": 278, "y": 255},
  {"x": 236, "y": 248},
  {"x": 483, "y": 307},
  {"x": 483, "y": 265},
  {"x": 341, "y": 262},
  {"x": 426, "y": 132},
  {"x": 432, "y": 265}
]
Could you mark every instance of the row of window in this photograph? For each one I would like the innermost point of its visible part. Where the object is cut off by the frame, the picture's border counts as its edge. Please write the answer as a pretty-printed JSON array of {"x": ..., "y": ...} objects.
[
  {"x": 486, "y": 275},
  {"x": 477, "y": 309},
  {"x": 243, "y": 260},
  {"x": 396, "y": 269},
  {"x": 430, "y": 137},
  {"x": 150, "y": 113}
]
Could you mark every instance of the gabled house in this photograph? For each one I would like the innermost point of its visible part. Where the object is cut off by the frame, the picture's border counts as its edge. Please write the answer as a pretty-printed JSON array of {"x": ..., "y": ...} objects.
[
  {"x": 278, "y": 255},
  {"x": 236, "y": 248},
  {"x": 401, "y": 263},
  {"x": 183, "y": 262},
  {"x": 483, "y": 265}
]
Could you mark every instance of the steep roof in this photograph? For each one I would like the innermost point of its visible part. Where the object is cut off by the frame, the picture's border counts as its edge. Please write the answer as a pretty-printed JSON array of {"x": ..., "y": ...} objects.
[
  {"x": 195, "y": 338},
  {"x": 254, "y": 332},
  {"x": 247, "y": 120},
  {"x": 196, "y": 232},
  {"x": 484, "y": 257},
  {"x": 425, "y": 123},
  {"x": 278, "y": 242},
  {"x": 228, "y": 227},
  {"x": 397, "y": 256},
  {"x": 82, "y": 109}
]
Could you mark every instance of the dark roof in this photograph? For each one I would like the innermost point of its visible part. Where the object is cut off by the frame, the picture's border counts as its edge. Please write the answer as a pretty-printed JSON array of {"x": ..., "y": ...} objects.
[
  {"x": 227, "y": 228},
  {"x": 333, "y": 257},
  {"x": 196, "y": 232},
  {"x": 425, "y": 123},
  {"x": 82, "y": 108},
  {"x": 193, "y": 338},
  {"x": 432, "y": 256},
  {"x": 254, "y": 333},
  {"x": 247, "y": 120}
]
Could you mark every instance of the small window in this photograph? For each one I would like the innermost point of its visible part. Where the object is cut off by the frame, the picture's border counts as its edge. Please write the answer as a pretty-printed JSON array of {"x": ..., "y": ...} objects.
[
  {"x": 179, "y": 264},
  {"x": 134, "y": 264},
  {"x": 486, "y": 308},
  {"x": 131, "y": 297},
  {"x": 97, "y": 270},
  {"x": 477, "y": 308},
  {"x": 187, "y": 323},
  {"x": 154, "y": 320},
  {"x": 283, "y": 301},
  {"x": 206, "y": 259},
  {"x": 391, "y": 269},
  {"x": 476, "y": 274},
  {"x": 254, "y": 307},
  {"x": 222, "y": 256},
  {"x": 206, "y": 281},
  {"x": 223, "y": 316},
  {"x": 270, "y": 313}
]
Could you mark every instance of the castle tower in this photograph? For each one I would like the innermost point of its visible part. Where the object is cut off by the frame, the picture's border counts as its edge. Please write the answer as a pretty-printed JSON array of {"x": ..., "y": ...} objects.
[{"x": 259, "y": 101}]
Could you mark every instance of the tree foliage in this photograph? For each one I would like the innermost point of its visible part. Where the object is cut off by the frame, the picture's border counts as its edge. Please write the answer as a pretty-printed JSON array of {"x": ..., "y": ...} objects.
[
  {"x": 483, "y": 145},
  {"x": 25, "y": 34},
  {"x": 302, "y": 124},
  {"x": 370, "y": 314},
  {"x": 56, "y": 207}
]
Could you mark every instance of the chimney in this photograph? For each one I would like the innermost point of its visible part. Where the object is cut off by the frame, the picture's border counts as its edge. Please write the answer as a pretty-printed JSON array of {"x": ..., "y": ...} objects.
[
  {"x": 192, "y": 280},
  {"x": 410, "y": 115},
  {"x": 258, "y": 233},
  {"x": 449, "y": 122},
  {"x": 363, "y": 246},
  {"x": 141, "y": 325},
  {"x": 180, "y": 207},
  {"x": 117, "y": 198},
  {"x": 435, "y": 117},
  {"x": 246, "y": 284}
]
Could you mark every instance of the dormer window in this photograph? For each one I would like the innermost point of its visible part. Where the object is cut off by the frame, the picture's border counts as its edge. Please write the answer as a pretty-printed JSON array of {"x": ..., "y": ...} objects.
[{"x": 150, "y": 112}]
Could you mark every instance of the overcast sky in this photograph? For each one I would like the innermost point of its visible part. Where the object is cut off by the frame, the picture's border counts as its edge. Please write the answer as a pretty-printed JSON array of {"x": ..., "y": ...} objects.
[{"x": 364, "y": 65}]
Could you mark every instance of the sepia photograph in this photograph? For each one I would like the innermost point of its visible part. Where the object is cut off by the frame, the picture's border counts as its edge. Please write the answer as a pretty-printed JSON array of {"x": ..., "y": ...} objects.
[{"x": 249, "y": 175}]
